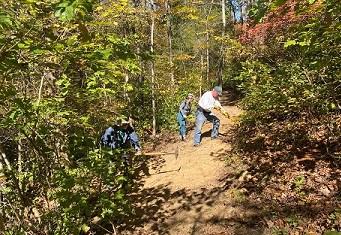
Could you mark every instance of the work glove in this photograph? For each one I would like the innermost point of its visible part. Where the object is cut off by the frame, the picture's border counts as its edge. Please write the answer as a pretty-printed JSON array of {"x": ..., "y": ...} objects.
[
  {"x": 225, "y": 113},
  {"x": 217, "y": 107}
]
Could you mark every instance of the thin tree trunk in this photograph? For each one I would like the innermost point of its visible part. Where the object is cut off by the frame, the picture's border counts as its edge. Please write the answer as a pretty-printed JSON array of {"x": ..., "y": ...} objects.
[
  {"x": 207, "y": 42},
  {"x": 223, "y": 9},
  {"x": 232, "y": 11},
  {"x": 169, "y": 36},
  {"x": 140, "y": 64},
  {"x": 153, "y": 76},
  {"x": 2, "y": 224},
  {"x": 242, "y": 13},
  {"x": 3, "y": 158},
  {"x": 221, "y": 59},
  {"x": 207, "y": 55},
  {"x": 40, "y": 89},
  {"x": 201, "y": 73},
  {"x": 126, "y": 95},
  {"x": 20, "y": 162}
]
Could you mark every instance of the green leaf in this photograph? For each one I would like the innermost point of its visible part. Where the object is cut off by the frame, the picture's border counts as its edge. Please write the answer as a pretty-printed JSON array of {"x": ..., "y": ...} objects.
[
  {"x": 65, "y": 12},
  {"x": 85, "y": 228},
  {"x": 23, "y": 46},
  {"x": 58, "y": 13},
  {"x": 63, "y": 4},
  {"x": 121, "y": 179},
  {"x": 289, "y": 43},
  {"x": 41, "y": 52},
  {"x": 71, "y": 40},
  {"x": 304, "y": 43},
  {"x": 69, "y": 10},
  {"x": 5, "y": 20},
  {"x": 119, "y": 195},
  {"x": 105, "y": 53},
  {"x": 64, "y": 91},
  {"x": 129, "y": 87}
]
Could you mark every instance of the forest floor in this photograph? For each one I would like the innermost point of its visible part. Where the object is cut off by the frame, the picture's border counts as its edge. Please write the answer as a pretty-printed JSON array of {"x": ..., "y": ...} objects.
[{"x": 203, "y": 192}]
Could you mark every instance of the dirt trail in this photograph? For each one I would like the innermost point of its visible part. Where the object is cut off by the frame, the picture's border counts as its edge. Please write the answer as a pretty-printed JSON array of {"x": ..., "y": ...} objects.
[
  {"x": 200, "y": 166},
  {"x": 191, "y": 200}
]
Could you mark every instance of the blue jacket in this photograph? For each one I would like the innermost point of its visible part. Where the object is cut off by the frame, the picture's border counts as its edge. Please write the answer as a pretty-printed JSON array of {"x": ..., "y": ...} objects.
[{"x": 118, "y": 138}]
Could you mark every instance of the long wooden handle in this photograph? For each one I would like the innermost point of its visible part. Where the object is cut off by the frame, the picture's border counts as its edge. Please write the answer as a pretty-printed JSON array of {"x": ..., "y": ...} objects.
[
  {"x": 176, "y": 153},
  {"x": 156, "y": 153}
]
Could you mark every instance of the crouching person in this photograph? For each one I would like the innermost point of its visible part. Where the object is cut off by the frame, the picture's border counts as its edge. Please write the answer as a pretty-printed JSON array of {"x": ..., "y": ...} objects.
[{"x": 122, "y": 136}]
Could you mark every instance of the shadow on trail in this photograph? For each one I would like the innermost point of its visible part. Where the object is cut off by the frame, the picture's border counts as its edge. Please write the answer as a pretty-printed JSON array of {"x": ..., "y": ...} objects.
[
  {"x": 272, "y": 187},
  {"x": 149, "y": 210},
  {"x": 263, "y": 196},
  {"x": 148, "y": 204}
]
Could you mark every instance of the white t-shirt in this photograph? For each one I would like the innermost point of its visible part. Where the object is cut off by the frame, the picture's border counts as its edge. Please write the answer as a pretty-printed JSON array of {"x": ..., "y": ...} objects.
[{"x": 208, "y": 102}]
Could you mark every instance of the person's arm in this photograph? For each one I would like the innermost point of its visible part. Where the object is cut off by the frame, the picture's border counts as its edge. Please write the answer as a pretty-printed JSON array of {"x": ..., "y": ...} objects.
[
  {"x": 134, "y": 140},
  {"x": 107, "y": 138},
  {"x": 182, "y": 108},
  {"x": 221, "y": 109},
  {"x": 111, "y": 137},
  {"x": 217, "y": 105}
]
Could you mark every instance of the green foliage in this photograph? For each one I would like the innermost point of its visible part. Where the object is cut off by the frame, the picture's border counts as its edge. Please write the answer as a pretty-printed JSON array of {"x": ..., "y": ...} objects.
[
  {"x": 82, "y": 191},
  {"x": 5, "y": 21},
  {"x": 292, "y": 221},
  {"x": 238, "y": 196},
  {"x": 300, "y": 181},
  {"x": 281, "y": 231},
  {"x": 56, "y": 75},
  {"x": 294, "y": 78},
  {"x": 331, "y": 233}
]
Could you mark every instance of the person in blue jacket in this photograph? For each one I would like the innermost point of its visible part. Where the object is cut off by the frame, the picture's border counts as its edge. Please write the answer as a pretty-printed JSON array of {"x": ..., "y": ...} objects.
[
  {"x": 184, "y": 111},
  {"x": 121, "y": 136}
]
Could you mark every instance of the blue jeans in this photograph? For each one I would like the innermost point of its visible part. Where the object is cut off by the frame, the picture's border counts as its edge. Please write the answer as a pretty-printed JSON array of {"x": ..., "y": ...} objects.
[
  {"x": 200, "y": 119},
  {"x": 182, "y": 124}
]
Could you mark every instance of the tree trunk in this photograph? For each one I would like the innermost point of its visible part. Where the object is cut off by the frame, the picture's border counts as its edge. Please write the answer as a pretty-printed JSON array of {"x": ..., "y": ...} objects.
[
  {"x": 221, "y": 59},
  {"x": 20, "y": 161},
  {"x": 169, "y": 37},
  {"x": 152, "y": 69},
  {"x": 126, "y": 95},
  {"x": 233, "y": 11},
  {"x": 207, "y": 42}
]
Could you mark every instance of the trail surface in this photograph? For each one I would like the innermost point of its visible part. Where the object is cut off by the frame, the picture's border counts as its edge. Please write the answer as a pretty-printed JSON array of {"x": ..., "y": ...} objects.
[
  {"x": 186, "y": 195},
  {"x": 210, "y": 190}
]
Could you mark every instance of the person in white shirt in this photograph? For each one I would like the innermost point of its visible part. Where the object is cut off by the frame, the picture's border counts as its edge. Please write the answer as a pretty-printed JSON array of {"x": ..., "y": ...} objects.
[{"x": 207, "y": 102}]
